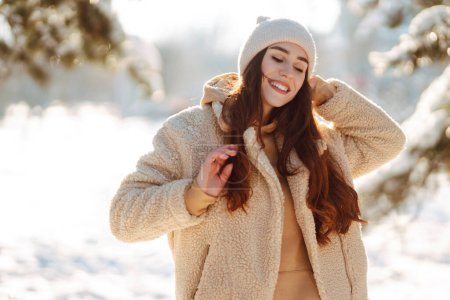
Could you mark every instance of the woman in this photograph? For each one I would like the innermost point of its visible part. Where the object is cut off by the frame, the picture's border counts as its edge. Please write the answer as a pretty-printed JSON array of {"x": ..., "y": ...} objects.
[{"x": 253, "y": 189}]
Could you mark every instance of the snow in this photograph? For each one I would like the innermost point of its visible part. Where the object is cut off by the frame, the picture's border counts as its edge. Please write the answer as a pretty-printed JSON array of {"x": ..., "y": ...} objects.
[
  {"x": 409, "y": 250},
  {"x": 424, "y": 22},
  {"x": 423, "y": 129},
  {"x": 59, "y": 169},
  {"x": 421, "y": 40},
  {"x": 376, "y": 14}
]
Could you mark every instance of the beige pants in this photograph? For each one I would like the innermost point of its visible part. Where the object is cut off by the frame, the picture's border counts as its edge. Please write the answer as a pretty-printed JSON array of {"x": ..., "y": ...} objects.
[{"x": 296, "y": 285}]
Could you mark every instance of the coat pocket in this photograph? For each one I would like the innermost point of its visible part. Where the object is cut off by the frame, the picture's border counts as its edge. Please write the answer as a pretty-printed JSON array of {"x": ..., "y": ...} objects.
[{"x": 202, "y": 266}]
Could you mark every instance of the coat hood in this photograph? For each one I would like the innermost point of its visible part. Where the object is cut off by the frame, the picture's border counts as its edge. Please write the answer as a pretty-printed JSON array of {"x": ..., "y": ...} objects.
[
  {"x": 215, "y": 91},
  {"x": 218, "y": 88}
]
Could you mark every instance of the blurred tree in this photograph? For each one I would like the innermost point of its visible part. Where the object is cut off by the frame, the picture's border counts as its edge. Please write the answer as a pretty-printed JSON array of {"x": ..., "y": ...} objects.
[
  {"x": 39, "y": 33},
  {"x": 426, "y": 42}
]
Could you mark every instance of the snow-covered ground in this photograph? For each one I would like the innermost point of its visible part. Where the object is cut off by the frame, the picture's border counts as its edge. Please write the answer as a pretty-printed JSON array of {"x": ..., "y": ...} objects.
[
  {"x": 59, "y": 170},
  {"x": 409, "y": 250}
]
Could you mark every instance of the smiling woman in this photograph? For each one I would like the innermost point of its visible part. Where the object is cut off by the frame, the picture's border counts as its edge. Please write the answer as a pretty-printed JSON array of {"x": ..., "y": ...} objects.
[{"x": 254, "y": 193}]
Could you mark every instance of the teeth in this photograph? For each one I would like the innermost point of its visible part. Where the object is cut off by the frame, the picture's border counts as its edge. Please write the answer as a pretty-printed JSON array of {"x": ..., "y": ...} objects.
[{"x": 279, "y": 86}]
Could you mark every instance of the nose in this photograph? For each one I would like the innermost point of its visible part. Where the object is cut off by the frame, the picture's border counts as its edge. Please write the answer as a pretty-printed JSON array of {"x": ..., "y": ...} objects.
[{"x": 286, "y": 71}]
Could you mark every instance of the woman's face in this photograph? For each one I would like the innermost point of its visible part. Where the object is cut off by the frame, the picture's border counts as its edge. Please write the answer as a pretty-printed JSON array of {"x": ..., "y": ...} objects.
[{"x": 284, "y": 68}]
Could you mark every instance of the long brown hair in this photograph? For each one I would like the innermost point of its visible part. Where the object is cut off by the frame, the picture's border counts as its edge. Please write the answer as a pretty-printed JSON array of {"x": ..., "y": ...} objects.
[{"x": 333, "y": 202}]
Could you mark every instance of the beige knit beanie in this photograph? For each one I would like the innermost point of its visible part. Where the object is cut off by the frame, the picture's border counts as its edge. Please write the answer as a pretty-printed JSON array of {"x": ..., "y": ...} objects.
[{"x": 270, "y": 31}]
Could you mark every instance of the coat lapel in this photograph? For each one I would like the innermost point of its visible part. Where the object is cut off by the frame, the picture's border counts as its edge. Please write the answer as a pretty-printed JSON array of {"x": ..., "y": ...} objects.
[{"x": 259, "y": 159}]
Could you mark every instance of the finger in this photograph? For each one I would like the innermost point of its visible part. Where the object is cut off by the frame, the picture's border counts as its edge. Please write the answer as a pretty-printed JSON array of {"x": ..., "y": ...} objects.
[
  {"x": 329, "y": 94},
  {"x": 223, "y": 153},
  {"x": 218, "y": 158},
  {"x": 313, "y": 82},
  {"x": 230, "y": 152},
  {"x": 211, "y": 158},
  {"x": 320, "y": 80},
  {"x": 230, "y": 146},
  {"x": 226, "y": 172},
  {"x": 222, "y": 157}
]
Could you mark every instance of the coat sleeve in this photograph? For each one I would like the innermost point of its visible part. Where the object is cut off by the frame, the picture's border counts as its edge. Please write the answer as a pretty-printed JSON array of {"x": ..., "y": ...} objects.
[
  {"x": 370, "y": 136},
  {"x": 150, "y": 201}
]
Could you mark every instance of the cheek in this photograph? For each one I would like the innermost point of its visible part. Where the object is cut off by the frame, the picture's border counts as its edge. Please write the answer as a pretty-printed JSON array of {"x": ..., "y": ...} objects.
[
  {"x": 299, "y": 82},
  {"x": 265, "y": 88},
  {"x": 268, "y": 67}
]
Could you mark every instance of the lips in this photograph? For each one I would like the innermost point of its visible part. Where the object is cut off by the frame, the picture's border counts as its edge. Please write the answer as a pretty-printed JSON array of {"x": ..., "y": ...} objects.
[{"x": 279, "y": 86}]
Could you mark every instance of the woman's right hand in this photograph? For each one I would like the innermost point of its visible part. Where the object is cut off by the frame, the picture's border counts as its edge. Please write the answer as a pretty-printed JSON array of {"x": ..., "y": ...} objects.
[
  {"x": 210, "y": 180},
  {"x": 322, "y": 91}
]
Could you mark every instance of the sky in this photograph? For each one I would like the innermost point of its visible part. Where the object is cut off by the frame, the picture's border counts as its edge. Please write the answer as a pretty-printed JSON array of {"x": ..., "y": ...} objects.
[{"x": 235, "y": 18}]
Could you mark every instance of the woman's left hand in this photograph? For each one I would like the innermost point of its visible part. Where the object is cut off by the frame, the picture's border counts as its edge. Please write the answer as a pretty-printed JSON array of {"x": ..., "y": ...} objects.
[{"x": 322, "y": 91}]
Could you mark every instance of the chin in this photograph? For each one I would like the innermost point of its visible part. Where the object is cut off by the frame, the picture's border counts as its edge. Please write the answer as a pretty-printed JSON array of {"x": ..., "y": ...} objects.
[{"x": 279, "y": 103}]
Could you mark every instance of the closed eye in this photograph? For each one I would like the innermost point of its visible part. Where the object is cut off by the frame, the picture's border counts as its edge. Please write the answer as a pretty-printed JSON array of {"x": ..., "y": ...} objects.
[
  {"x": 276, "y": 59},
  {"x": 280, "y": 60}
]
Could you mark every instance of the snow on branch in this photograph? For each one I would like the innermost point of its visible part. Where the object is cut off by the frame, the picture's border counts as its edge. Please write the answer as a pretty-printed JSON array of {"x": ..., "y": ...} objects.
[
  {"x": 427, "y": 151},
  {"x": 427, "y": 41},
  {"x": 67, "y": 33}
]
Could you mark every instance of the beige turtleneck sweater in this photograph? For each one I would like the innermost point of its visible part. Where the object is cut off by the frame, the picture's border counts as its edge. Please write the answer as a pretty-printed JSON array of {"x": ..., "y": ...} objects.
[{"x": 295, "y": 276}]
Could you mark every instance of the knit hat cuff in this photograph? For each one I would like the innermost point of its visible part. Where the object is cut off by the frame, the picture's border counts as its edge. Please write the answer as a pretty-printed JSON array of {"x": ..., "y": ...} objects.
[{"x": 271, "y": 31}]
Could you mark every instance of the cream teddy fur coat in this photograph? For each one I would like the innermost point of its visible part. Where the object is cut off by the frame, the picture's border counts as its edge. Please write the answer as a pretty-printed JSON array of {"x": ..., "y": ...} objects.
[{"x": 222, "y": 255}]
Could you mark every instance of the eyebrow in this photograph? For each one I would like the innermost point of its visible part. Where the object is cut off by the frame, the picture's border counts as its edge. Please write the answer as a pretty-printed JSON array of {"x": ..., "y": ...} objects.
[{"x": 287, "y": 52}]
